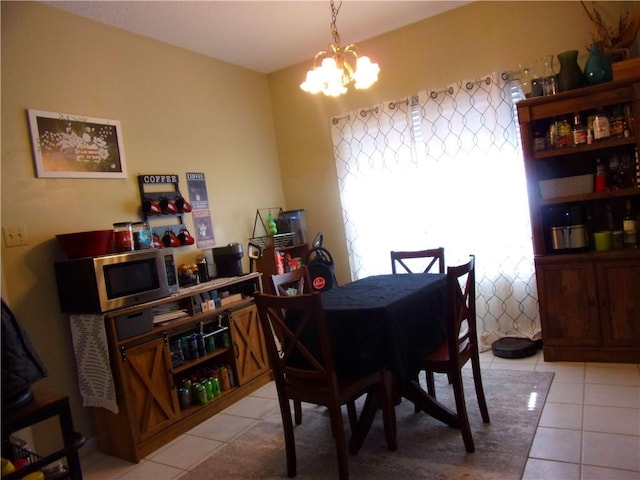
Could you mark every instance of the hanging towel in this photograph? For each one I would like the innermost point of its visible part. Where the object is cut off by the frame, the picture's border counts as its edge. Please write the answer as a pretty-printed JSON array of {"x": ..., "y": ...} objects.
[{"x": 92, "y": 361}]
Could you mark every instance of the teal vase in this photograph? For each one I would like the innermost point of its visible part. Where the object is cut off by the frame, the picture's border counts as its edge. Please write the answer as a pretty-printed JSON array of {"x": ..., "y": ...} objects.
[
  {"x": 598, "y": 68},
  {"x": 570, "y": 75}
]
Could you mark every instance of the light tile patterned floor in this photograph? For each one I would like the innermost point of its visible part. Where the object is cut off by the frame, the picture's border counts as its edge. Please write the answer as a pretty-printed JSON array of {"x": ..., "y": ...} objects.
[{"x": 589, "y": 429}]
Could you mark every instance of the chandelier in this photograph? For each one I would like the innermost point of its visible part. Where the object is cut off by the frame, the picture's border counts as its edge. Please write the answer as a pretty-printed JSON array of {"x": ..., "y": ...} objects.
[{"x": 335, "y": 68}]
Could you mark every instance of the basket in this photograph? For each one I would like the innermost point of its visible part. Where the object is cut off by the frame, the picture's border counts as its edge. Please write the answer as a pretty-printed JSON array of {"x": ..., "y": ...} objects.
[
  {"x": 280, "y": 240},
  {"x": 562, "y": 187}
]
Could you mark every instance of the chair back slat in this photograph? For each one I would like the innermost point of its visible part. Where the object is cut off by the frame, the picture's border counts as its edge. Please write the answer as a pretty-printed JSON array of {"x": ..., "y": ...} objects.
[
  {"x": 435, "y": 256},
  {"x": 461, "y": 310},
  {"x": 298, "y": 280}
]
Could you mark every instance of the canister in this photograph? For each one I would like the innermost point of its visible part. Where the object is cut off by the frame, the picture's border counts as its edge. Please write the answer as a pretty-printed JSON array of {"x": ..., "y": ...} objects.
[
  {"x": 141, "y": 235},
  {"x": 123, "y": 235}
]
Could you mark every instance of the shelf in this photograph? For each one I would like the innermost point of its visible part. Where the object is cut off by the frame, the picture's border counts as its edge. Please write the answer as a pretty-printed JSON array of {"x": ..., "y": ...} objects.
[
  {"x": 193, "y": 409},
  {"x": 587, "y": 197},
  {"x": 188, "y": 364},
  {"x": 580, "y": 149}
]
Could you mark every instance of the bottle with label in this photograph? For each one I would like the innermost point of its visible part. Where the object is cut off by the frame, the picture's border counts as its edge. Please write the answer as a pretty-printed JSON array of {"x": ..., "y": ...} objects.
[
  {"x": 601, "y": 177},
  {"x": 617, "y": 123},
  {"x": 601, "y": 126},
  {"x": 630, "y": 227},
  {"x": 565, "y": 138},
  {"x": 579, "y": 130}
]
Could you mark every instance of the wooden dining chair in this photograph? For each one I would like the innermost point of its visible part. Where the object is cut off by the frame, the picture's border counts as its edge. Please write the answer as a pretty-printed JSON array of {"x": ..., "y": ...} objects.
[
  {"x": 432, "y": 255},
  {"x": 414, "y": 261},
  {"x": 294, "y": 282},
  {"x": 304, "y": 371},
  {"x": 461, "y": 344}
]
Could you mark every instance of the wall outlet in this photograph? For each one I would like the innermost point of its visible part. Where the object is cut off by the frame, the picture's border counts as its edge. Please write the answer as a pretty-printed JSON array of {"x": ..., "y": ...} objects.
[{"x": 15, "y": 236}]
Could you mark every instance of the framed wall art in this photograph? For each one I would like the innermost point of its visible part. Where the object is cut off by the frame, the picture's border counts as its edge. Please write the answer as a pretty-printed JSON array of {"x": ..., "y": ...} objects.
[{"x": 74, "y": 146}]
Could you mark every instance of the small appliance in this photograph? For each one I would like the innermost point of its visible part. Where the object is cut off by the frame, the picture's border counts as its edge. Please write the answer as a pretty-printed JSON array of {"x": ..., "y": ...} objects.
[
  {"x": 568, "y": 231},
  {"x": 228, "y": 260},
  {"x": 108, "y": 282}
]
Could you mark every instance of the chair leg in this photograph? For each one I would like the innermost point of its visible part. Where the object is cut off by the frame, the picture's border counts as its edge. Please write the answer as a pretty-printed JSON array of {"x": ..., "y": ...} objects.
[
  {"x": 337, "y": 427},
  {"x": 388, "y": 411},
  {"x": 352, "y": 413},
  {"x": 461, "y": 410},
  {"x": 297, "y": 411},
  {"x": 477, "y": 381},
  {"x": 431, "y": 385},
  {"x": 289, "y": 439}
]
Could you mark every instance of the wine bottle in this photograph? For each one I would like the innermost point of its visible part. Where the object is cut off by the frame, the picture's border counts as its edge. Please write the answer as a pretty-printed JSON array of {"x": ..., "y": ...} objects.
[{"x": 630, "y": 227}]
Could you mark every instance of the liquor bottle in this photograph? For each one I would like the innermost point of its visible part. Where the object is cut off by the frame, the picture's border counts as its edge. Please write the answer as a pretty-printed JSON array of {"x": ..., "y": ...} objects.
[
  {"x": 579, "y": 130},
  {"x": 601, "y": 126},
  {"x": 564, "y": 134},
  {"x": 630, "y": 227}
]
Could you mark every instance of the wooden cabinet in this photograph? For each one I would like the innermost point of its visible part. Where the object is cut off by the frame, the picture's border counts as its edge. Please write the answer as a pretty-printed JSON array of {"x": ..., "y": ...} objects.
[
  {"x": 248, "y": 343},
  {"x": 148, "y": 373},
  {"x": 589, "y": 302},
  {"x": 148, "y": 387}
]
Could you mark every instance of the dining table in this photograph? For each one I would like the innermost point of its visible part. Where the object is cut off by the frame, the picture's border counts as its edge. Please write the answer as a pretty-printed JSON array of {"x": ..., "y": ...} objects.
[{"x": 388, "y": 322}]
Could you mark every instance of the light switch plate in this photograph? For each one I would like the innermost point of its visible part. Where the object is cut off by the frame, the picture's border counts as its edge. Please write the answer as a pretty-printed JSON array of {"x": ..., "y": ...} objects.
[{"x": 15, "y": 236}]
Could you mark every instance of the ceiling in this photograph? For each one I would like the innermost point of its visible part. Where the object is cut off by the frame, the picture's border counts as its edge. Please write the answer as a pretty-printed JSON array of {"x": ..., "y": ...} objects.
[{"x": 261, "y": 35}]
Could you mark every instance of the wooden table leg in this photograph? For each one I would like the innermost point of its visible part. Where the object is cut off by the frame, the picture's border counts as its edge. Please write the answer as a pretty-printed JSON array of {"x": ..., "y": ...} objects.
[
  {"x": 411, "y": 390},
  {"x": 371, "y": 405}
]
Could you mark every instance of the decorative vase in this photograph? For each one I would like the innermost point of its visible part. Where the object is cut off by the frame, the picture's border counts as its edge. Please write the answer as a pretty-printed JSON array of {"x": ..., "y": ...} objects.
[
  {"x": 598, "y": 68},
  {"x": 570, "y": 75}
]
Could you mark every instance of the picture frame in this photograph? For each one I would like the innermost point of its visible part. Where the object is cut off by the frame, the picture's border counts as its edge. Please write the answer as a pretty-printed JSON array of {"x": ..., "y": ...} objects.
[{"x": 76, "y": 146}]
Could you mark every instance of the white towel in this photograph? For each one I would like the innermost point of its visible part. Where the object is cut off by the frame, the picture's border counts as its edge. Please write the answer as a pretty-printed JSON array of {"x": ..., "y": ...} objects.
[{"x": 92, "y": 361}]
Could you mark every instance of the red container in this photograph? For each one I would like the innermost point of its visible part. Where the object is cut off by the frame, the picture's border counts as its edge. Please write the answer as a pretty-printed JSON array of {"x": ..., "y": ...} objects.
[{"x": 86, "y": 244}]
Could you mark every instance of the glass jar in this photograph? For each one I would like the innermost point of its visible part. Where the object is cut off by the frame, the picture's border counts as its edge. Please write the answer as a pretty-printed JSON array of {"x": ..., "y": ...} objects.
[
  {"x": 549, "y": 79},
  {"x": 123, "y": 235},
  {"x": 141, "y": 235}
]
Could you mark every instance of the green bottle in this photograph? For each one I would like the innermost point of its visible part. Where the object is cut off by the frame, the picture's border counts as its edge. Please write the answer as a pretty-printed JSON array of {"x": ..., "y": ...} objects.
[{"x": 271, "y": 225}]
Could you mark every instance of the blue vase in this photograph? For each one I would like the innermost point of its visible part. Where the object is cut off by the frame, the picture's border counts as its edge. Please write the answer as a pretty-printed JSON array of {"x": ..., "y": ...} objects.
[{"x": 598, "y": 67}]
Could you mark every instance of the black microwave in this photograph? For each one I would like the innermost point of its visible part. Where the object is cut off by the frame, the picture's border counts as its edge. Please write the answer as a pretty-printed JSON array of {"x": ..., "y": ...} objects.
[{"x": 108, "y": 282}]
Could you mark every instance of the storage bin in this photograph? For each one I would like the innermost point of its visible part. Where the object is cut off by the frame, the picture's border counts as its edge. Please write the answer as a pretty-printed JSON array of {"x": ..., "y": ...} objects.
[{"x": 562, "y": 187}]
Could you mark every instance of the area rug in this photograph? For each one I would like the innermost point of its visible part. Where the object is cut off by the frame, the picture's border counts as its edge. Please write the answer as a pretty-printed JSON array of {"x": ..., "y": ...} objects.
[{"x": 427, "y": 449}]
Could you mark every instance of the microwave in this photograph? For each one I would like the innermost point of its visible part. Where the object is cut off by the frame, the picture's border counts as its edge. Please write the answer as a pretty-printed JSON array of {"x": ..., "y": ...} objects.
[{"x": 108, "y": 282}]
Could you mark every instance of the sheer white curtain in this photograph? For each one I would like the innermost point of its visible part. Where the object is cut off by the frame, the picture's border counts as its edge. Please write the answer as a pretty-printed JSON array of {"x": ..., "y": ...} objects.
[{"x": 443, "y": 169}]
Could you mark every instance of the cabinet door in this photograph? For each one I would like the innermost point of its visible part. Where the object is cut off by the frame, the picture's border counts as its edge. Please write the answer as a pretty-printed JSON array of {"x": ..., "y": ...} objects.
[
  {"x": 568, "y": 304},
  {"x": 248, "y": 344},
  {"x": 148, "y": 386},
  {"x": 618, "y": 286}
]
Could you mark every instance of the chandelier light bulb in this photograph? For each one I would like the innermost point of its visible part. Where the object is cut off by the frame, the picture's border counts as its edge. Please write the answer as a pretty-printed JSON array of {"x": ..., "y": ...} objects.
[
  {"x": 366, "y": 73},
  {"x": 336, "y": 70}
]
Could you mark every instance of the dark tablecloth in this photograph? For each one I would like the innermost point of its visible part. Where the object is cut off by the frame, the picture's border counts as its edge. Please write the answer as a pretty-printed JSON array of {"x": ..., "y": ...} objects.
[{"x": 386, "y": 321}]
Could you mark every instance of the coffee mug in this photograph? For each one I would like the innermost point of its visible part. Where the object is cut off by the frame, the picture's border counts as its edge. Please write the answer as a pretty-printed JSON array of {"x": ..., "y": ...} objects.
[
  {"x": 182, "y": 205},
  {"x": 170, "y": 239},
  {"x": 185, "y": 237},
  {"x": 151, "y": 207},
  {"x": 602, "y": 240},
  {"x": 168, "y": 206}
]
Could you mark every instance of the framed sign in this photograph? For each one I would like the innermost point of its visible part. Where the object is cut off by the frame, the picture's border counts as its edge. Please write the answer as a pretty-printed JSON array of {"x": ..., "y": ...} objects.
[{"x": 73, "y": 146}]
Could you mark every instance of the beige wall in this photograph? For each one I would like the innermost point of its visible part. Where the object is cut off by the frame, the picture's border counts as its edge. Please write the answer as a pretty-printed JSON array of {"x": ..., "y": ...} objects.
[
  {"x": 461, "y": 44},
  {"x": 179, "y": 112},
  {"x": 184, "y": 112}
]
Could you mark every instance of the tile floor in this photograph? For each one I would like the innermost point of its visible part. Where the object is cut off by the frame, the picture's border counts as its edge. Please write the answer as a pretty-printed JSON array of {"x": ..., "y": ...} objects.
[{"x": 589, "y": 429}]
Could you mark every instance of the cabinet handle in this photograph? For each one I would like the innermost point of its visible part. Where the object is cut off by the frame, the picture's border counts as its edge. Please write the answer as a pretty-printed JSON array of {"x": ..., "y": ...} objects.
[
  {"x": 237, "y": 350},
  {"x": 123, "y": 353}
]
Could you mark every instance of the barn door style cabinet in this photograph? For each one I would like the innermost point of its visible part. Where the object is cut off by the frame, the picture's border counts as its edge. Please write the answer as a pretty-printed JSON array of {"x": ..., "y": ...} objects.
[
  {"x": 588, "y": 295},
  {"x": 217, "y": 336}
]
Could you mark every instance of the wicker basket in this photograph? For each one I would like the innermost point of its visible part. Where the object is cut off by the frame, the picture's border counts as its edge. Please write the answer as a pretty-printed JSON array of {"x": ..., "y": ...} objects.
[{"x": 562, "y": 187}]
